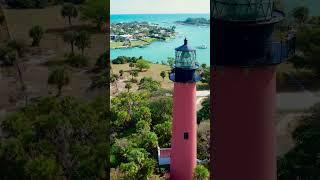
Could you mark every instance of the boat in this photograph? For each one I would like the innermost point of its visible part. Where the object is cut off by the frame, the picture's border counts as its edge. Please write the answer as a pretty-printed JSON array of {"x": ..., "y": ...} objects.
[{"x": 202, "y": 46}]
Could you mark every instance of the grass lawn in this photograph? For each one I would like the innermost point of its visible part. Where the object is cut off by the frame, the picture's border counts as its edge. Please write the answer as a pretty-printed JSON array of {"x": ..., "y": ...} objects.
[
  {"x": 153, "y": 72},
  {"x": 137, "y": 43},
  {"x": 114, "y": 45},
  {"x": 149, "y": 40}
]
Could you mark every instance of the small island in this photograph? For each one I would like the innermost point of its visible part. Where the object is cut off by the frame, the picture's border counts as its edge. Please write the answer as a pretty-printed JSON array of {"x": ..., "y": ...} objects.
[
  {"x": 138, "y": 34},
  {"x": 195, "y": 21}
]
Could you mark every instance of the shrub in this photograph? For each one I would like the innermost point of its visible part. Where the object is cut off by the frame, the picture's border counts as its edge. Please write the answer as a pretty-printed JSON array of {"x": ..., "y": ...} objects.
[
  {"x": 59, "y": 77},
  {"x": 203, "y": 86},
  {"x": 77, "y": 61},
  {"x": 134, "y": 80},
  {"x": 100, "y": 81},
  {"x": 147, "y": 83},
  {"x": 70, "y": 11},
  {"x": 204, "y": 112},
  {"x": 102, "y": 61},
  {"x": 142, "y": 64},
  {"x": 201, "y": 173},
  {"x": 6, "y": 56},
  {"x": 203, "y": 140},
  {"x": 36, "y": 33},
  {"x": 124, "y": 60}
]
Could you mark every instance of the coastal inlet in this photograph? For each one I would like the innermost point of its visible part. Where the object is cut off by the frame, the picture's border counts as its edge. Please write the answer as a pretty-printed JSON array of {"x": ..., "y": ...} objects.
[{"x": 153, "y": 35}]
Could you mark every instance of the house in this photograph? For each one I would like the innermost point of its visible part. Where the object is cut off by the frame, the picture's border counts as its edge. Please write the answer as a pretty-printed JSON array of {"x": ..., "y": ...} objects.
[
  {"x": 113, "y": 37},
  {"x": 126, "y": 36}
]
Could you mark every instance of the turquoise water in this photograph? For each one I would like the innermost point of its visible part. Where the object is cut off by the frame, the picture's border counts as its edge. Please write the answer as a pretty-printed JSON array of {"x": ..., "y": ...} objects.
[{"x": 159, "y": 51}]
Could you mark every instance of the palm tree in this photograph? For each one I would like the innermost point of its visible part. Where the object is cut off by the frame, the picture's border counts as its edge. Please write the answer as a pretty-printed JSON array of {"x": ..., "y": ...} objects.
[
  {"x": 70, "y": 37},
  {"x": 60, "y": 78},
  {"x": 11, "y": 58},
  {"x": 113, "y": 79},
  {"x": 70, "y": 11},
  {"x": 36, "y": 33},
  {"x": 83, "y": 41},
  {"x": 15, "y": 50},
  {"x": 163, "y": 74},
  {"x": 121, "y": 72},
  {"x": 131, "y": 65},
  {"x": 134, "y": 74},
  {"x": 128, "y": 86}
]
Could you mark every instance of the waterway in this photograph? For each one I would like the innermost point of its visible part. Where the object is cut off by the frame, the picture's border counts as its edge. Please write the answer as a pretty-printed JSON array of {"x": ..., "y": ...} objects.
[{"x": 161, "y": 50}]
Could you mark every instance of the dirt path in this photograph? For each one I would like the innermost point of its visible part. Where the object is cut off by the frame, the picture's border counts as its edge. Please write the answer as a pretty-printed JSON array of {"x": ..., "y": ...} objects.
[{"x": 284, "y": 129}]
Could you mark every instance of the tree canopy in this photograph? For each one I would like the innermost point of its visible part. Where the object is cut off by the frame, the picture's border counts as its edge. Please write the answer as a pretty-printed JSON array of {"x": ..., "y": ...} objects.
[
  {"x": 142, "y": 64},
  {"x": 302, "y": 162},
  {"x": 56, "y": 138},
  {"x": 95, "y": 11}
]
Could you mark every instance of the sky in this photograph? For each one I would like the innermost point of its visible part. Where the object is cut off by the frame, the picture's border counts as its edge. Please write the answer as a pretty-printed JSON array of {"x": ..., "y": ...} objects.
[{"x": 159, "y": 6}]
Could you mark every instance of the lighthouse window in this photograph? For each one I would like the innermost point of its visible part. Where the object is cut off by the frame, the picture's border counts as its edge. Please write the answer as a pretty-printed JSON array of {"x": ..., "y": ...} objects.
[{"x": 185, "y": 135}]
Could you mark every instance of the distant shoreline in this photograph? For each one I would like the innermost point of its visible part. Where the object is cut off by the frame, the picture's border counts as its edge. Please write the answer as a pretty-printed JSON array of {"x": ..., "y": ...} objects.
[
  {"x": 160, "y": 50},
  {"x": 161, "y": 14},
  {"x": 140, "y": 44}
]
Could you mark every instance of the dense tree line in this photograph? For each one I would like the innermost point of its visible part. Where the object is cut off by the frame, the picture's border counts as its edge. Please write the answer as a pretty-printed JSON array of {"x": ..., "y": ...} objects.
[
  {"x": 125, "y": 60},
  {"x": 38, "y": 3}
]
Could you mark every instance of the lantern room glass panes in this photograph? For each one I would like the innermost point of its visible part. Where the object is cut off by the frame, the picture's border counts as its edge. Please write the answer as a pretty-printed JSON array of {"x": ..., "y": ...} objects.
[
  {"x": 243, "y": 10},
  {"x": 185, "y": 59}
]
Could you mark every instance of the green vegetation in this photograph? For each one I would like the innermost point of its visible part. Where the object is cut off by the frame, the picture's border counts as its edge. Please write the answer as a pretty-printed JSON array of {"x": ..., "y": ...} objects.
[
  {"x": 195, "y": 21},
  {"x": 204, "y": 112},
  {"x": 300, "y": 14},
  {"x": 56, "y": 139},
  {"x": 137, "y": 43},
  {"x": 60, "y": 78},
  {"x": 77, "y": 61},
  {"x": 70, "y": 37},
  {"x": 148, "y": 84},
  {"x": 28, "y": 3},
  {"x": 128, "y": 86},
  {"x": 83, "y": 41},
  {"x": 137, "y": 130},
  {"x": 70, "y": 11},
  {"x": 163, "y": 74},
  {"x": 304, "y": 67},
  {"x": 95, "y": 11},
  {"x": 11, "y": 55},
  {"x": 142, "y": 64},
  {"x": 138, "y": 34},
  {"x": 125, "y": 59},
  {"x": 201, "y": 173},
  {"x": 52, "y": 137},
  {"x": 36, "y": 33},
  {"x": 170, "y": 61},
  {"x": 302, "y": 161},
  {"x": 23, "y": 4}
]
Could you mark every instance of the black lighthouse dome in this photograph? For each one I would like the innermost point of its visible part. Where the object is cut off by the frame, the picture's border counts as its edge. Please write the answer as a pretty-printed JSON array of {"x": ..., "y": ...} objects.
[
  {"x": 184, "y": 69},
  {"x": 242, "y": 34}
]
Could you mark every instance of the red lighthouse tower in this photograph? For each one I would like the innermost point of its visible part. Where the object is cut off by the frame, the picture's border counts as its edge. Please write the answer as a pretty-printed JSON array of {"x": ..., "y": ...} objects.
[
  {"x": 184, "y": 133},
  {"x": 243, "y": 80}
]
